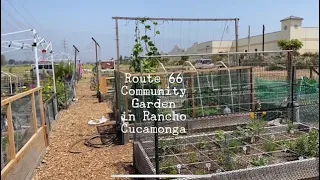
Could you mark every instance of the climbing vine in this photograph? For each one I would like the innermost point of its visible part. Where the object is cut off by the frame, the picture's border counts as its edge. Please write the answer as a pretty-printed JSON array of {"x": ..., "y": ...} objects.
[
  {"x": 149, "y": 64},
  {"x": 145, "y": 45}
]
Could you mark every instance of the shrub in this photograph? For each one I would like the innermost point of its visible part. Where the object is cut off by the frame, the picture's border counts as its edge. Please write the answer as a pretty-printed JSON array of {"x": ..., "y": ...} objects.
[
  {"x": 62, "y": 70},
  {"x": 48, "y": 91}
]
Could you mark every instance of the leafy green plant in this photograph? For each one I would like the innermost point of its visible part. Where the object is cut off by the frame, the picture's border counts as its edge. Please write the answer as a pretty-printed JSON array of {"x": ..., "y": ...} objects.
[
  {"x": 241, "y": 132},
  {"x": 227, "y": 161},
  {"x": 167, "y": 162},
  {"x": 193, "y": 157},
  {"x": 256, "y": 126},
  {"x": 220, "y": 137},
  {"x": 62, "y": 70},
  {"x": 203, "y": 144},
  {"x": 47, "y": 89},
  {"x": 163, "y": 146},
  {"x": 145, "y": 64},
  {"x": 233, "y": 145},
  {"x": 260, "y": 161},
  {"x": 270, "y": 146},
  {"x": 308, "y": 144},
  {"x": 170, "y": 170},
  {"x": 290, "y": 126},
  {"x": 201, "y": 172}
]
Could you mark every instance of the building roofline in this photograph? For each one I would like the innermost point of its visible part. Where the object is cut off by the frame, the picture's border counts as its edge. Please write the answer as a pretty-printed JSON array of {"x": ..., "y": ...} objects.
[{"x": 291, "y": 17}]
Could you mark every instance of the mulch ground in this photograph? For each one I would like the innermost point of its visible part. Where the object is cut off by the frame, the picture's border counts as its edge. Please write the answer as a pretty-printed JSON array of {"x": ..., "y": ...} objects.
[{"x": 99, "y": 163}]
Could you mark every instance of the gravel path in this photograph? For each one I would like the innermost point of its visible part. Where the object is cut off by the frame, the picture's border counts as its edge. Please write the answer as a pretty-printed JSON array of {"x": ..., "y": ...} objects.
[{"x": 100, "y": 163}]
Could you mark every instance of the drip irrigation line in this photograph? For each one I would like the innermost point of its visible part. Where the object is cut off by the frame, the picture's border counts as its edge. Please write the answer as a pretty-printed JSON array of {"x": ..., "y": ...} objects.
[{"x": 111, "y": 138}]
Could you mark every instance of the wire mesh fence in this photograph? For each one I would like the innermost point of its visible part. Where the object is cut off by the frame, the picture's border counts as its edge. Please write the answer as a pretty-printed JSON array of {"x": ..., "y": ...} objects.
[
  {"x": 23, "y": 129},
  {"x": 221, "y": 96},
  {"x": 51, "y": 111}
]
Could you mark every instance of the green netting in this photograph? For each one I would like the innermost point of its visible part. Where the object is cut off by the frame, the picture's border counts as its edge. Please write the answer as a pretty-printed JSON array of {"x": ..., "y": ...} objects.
[
  {"x": 279, "y": 90},
  {"x": 268, "y": 90},
  {"x": 308, "y": 86}
]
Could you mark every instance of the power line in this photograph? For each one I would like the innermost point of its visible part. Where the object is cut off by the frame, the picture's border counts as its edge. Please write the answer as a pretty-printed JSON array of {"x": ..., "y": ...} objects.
[
  {"x": 12, "y": 17},
  {"x": 88, "y": 47},
  {"x": 14, "y": 28},
  {"x": 19, "y": 13},
  {"x": 30, "y": 15}
]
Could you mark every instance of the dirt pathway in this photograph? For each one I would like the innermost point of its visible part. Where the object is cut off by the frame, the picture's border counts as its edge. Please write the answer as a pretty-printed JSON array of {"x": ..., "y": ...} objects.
[{"x": 72, "y": 126}]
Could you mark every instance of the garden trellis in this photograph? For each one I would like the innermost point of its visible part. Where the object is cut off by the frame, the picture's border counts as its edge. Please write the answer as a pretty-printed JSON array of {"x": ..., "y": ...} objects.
[
  {"x": 36, "y": 44},
  {"x": 165, "y": 38},
  {"x": 166, "y": 24},
  {"x": 9, "y": 82}
]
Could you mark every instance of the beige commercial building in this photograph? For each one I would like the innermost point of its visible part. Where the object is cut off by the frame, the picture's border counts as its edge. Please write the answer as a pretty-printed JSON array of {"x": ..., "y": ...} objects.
[{"x": 291, "y": 28}]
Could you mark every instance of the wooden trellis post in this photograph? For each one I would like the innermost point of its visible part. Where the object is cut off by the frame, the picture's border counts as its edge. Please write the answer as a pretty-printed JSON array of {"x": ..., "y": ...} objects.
[{"x": 192, "y": 95}]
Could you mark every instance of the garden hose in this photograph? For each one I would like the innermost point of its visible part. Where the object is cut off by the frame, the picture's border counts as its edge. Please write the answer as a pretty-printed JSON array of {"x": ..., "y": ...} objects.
[{"x": 111, "y": 138}]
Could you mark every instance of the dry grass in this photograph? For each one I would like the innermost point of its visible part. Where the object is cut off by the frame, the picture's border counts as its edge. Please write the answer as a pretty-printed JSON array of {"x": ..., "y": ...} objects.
[{"x": 72, "y": 126}]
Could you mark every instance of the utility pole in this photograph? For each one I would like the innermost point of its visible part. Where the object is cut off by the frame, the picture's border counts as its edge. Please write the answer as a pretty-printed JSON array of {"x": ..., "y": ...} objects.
[
  {"x": 64, "y": 43},
  {"x": 97, "y": 68},
  {"x": 117, "y": 41},
  {"x": 75, "y": 69},
  {"x": 237, "y": 38},
  {"x": 263, "y": 29},
  {"x": 249, "y": 38}
]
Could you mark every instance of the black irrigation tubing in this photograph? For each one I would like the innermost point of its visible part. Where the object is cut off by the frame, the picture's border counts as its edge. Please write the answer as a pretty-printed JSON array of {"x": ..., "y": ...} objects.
[{"x": 87, "y": 142}]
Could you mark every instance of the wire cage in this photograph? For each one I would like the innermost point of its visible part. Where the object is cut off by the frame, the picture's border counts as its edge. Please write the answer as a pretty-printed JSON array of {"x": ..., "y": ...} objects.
[
  {"x": 234, "y": 119},
  {"x": 9, "y": 83}
]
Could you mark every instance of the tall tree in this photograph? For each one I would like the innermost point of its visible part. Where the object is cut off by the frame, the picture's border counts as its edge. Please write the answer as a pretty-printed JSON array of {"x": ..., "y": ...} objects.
[
  {"x": 11, "y": 61},
  {"x": 293, "y": 44}
]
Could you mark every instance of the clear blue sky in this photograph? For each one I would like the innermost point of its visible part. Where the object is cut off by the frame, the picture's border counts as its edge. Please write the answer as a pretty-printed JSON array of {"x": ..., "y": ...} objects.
[{"x": 78, "y": 21}]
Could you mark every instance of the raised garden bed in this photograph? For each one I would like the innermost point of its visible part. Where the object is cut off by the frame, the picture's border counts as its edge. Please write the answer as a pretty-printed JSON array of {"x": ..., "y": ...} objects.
[{"x": 222, "y": 152}]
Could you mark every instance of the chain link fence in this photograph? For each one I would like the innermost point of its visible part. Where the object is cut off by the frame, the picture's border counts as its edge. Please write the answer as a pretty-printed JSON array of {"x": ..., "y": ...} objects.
[{"x": 220, "y": 96}]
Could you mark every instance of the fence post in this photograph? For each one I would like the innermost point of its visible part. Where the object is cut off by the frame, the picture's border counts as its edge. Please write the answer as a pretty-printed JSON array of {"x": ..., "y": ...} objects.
[
  {"x": 34, "y": 114},
  {"x": 54, "y": 106},
  {"x": 192, "y": 95},
  {"x": 289, "y": 64},
  {"x": 65, "y": 94},
  {"x": 43, "y": 121},
  {"x": 12, "y": 147},
  {"x": 126, "y": 101},
  {"x": 252, "y": 89}
]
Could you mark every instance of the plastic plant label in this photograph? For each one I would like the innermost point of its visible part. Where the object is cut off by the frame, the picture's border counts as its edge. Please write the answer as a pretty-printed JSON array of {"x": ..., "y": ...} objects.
[
  {"x": 208, "y": 165},
  {"x": 179, "y": 168},
  {"x": 244, "y": 149}
]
